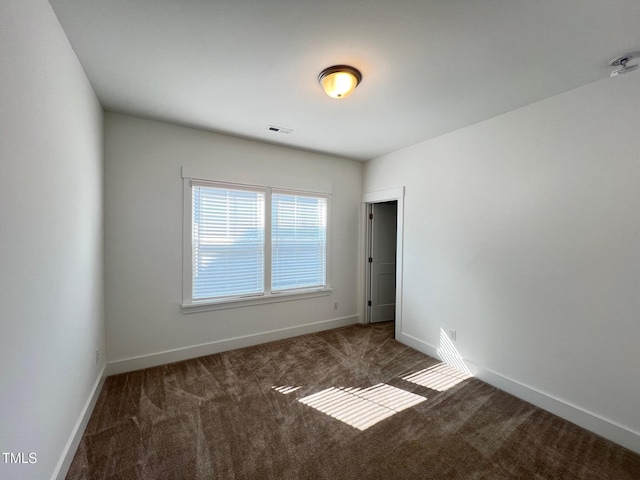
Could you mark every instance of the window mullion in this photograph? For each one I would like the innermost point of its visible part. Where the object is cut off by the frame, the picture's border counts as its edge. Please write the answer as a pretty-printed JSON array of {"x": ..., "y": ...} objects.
[{"x": 267, "y": 240}]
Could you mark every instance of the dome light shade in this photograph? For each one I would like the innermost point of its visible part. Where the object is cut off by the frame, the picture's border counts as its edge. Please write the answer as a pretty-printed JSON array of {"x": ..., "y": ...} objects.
[{"x": 339, "y": 81}]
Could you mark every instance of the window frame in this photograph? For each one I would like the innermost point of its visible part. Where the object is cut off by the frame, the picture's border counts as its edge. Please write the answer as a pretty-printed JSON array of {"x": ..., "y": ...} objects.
[{"x": 268, "y": 295}]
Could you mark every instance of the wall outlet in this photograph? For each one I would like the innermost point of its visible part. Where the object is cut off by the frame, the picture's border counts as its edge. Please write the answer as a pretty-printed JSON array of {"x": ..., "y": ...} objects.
[
  {"x": 453, "y": 335},
  {"x": 97, "y": 356},
  {"x": 335, "y": 305}
]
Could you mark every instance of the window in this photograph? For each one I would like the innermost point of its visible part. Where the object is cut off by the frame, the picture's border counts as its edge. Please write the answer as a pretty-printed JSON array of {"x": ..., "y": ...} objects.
[
  {"x": 253, "y": 244},
  {"x": 227, "y": 242},
  {"x": 298, "y": 241}
]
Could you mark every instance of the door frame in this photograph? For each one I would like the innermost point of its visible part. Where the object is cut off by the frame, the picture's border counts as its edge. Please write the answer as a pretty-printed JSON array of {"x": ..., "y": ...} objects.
[{"x": 389, "y": 195}]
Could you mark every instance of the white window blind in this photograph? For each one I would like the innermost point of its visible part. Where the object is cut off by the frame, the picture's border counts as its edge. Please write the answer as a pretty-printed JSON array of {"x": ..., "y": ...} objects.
[
  {"x": 227, "y": 242},
  {"x": 298, "y": 241}
]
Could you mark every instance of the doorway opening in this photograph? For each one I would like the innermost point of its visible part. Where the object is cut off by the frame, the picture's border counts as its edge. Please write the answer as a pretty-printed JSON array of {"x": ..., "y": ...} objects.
[{"x": 381, "y": 261}]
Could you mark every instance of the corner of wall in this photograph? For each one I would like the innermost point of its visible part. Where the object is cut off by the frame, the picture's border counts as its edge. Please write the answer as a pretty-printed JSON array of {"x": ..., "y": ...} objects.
[{"x": 71, "y": 446}]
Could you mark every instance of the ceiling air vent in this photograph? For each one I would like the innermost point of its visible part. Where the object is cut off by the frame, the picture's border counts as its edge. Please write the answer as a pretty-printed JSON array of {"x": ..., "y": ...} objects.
[{"x": 285, "y": 131}]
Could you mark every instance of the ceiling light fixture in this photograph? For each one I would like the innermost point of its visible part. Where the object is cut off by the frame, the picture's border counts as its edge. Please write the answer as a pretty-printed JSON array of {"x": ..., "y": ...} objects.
[
  {"x": 622, "y": 62},
  {"x": 339, "y": 81}
]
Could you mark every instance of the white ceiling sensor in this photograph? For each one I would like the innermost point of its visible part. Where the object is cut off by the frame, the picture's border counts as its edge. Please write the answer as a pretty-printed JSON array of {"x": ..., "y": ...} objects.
[{"x": 622, "y": 62}]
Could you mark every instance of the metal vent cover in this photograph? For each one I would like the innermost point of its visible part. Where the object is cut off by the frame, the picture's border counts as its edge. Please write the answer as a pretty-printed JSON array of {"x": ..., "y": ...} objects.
[{"x": 275, "y": 129}]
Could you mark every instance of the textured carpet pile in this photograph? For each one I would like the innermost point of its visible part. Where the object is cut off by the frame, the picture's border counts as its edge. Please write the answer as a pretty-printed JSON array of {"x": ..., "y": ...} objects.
[{"x": 350, "y": 403}]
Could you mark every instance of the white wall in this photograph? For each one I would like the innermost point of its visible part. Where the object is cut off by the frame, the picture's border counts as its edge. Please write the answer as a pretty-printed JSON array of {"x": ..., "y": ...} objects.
[
  {"x": 143, "y": 255},
  {"x": 51, "y": 288},
  {"x": 523, "y": 233}
]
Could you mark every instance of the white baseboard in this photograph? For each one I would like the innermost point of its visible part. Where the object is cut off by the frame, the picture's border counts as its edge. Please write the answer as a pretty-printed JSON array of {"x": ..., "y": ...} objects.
[
  {"x": 60, "y": 472},
  {"x": 419, "y": 345},
  {"x": 186, "y": 353},
  {"x": 590, "y": 421}
]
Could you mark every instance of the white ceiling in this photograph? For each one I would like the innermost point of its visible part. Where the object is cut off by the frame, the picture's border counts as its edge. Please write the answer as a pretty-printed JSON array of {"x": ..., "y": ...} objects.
[{"x": 429, "y": 66}]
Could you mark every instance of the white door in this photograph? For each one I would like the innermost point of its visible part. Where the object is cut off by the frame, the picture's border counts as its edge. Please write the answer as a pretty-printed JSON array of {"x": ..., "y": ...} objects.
[{"x": 383, "y": 261}]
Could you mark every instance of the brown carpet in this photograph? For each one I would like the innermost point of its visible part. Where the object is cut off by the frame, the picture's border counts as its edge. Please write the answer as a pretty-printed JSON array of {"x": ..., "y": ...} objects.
[{"x": 346, "y": 404}]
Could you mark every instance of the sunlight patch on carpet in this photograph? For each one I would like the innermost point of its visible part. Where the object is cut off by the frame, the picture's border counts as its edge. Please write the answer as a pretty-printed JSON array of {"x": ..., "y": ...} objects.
[
  {"x": 362, "y": 407},
  {"x": 285, "y": 389},
  {"x": 440, "y": 377}
]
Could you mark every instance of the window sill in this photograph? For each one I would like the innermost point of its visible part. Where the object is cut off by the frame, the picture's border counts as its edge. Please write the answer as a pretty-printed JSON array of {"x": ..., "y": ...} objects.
[{"x": 249, "y": 301}]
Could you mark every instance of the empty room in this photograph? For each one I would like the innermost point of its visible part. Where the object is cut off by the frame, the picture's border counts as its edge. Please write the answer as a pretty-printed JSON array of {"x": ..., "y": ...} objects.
[{"x": 319, "y": 239}]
